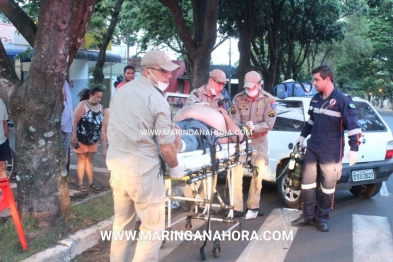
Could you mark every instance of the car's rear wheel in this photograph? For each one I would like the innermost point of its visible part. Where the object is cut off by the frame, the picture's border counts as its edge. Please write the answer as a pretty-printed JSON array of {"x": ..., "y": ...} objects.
[
  {"x": 292, "y": 198},
  {"x": 366, "y": 191}
]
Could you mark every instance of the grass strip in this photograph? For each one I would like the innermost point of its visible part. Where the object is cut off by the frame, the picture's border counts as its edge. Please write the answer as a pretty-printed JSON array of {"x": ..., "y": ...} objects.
[{"x": 45, "y": 235}]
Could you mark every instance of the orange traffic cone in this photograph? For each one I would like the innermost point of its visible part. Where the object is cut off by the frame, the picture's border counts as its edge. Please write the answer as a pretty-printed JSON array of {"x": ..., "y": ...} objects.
[{"x": 7, "y": 200}]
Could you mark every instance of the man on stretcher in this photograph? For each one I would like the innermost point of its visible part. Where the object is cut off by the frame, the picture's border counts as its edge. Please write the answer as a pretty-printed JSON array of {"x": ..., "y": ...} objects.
[{"x": 200, "y": 117}]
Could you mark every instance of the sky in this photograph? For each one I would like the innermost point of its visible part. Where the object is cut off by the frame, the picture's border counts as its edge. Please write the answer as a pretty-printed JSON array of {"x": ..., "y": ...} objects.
[{"x": 220, "y": 55}]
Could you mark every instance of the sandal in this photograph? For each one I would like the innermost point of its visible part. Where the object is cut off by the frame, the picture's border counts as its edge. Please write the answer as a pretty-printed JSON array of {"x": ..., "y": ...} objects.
[
  {"x": 82, "y": 188},
  {"x": 94, "y": 187}
]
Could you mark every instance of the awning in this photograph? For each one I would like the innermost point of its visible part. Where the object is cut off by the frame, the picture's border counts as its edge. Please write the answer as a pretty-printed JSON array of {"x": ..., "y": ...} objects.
[
  {"x": 93, "y": 56},
  {"x": 13, "y": 50}
]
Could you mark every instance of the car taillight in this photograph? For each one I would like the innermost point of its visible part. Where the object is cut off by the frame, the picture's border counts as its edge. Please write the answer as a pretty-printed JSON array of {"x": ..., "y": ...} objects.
[{"x": 389, "y": 150}]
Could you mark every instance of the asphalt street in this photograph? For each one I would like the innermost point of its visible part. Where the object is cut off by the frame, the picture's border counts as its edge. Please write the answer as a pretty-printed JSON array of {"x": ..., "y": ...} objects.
[{"x": 361, "y": 229}]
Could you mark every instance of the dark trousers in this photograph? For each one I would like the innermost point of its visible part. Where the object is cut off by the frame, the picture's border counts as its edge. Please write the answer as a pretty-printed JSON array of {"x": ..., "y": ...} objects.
[{"x": 320, "y": 165}]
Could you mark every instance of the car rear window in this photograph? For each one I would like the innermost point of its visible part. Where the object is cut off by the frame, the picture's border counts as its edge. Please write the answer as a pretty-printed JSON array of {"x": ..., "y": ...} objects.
[
  {"x": 368, "y": 119},
  {"x": 290, "y": 116}
]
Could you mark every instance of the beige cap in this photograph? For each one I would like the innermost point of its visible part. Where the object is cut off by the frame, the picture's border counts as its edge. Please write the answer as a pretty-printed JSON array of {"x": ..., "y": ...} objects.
[
  {"x": 251, "y": 79},
  {"x": 218, "y": 75},
  {"x": 158, "y": 58}
]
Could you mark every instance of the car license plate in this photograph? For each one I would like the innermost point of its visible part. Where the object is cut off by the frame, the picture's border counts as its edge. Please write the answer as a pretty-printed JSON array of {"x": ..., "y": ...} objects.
[{"x": 360, "y": 175}]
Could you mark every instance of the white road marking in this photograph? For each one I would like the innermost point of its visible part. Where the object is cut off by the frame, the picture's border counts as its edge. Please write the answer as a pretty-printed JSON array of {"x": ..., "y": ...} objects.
[
  {"x": 279, "y": 220},
  {"x": 372, "y": 238},
  {"x": 384, "y": 190}
]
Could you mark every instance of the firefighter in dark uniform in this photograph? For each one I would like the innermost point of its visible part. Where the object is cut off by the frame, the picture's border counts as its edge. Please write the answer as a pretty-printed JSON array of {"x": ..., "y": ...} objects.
[{"x": 331, "y": 112}]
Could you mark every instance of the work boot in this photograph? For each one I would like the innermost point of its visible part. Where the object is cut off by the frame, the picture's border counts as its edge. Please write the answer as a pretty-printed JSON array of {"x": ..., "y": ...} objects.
[
  {"x": 301, "y": 222},
  {"x": 323, "y": 227}
]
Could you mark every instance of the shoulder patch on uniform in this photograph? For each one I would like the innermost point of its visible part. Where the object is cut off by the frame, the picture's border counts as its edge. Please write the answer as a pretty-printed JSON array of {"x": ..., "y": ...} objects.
[
  {"x": 352, "y": 106},
  {"x": 272, "y": 101},
  {"x": 271, "y": 113},
  {"x": 233, "y": 110}
]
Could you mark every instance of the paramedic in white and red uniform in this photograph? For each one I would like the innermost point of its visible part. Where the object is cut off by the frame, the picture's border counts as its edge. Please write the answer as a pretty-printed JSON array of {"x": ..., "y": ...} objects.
[{"x": 331, "y": 112}]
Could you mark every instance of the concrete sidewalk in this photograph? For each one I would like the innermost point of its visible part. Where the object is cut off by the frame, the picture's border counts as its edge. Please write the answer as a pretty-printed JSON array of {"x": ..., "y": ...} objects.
[
  {"x": 388, "y": 109},
  {"x": 75, "y": 244}
]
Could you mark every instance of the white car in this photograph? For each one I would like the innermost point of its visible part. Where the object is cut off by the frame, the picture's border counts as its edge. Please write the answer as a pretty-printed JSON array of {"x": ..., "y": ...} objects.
[{"x": 364, "y": 179}]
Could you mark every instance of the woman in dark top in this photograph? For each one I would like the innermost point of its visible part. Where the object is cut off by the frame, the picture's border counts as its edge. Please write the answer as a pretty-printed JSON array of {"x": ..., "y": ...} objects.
[{"x": 86, "y": 133}]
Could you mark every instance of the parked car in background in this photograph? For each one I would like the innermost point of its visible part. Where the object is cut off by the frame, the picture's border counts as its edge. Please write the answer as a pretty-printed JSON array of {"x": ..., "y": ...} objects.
[{"x": 364, "y": 179}]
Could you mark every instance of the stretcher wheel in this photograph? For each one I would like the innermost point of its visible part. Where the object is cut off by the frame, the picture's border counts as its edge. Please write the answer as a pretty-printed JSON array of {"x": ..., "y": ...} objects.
[
  {"x": 216, "y": 252},
  {"x": 188, "y": 223},
  {"x": 216, "y": 248}
]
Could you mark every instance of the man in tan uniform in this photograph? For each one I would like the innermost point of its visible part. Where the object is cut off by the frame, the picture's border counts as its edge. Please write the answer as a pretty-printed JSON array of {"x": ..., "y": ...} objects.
[
  {"x": 257, "y": 109},
  {"x": 209, "y": 94},
  {"x": 139, "y": 129}
]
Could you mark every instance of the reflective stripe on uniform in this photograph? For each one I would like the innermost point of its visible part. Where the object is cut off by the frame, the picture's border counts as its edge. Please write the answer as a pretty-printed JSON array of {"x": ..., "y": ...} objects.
[
  {"x": 328, "y": 191},
  {"x": 309, "y": 186},
  {"x": 327, "y": 112},
  {"x": 354, "y": 131}
]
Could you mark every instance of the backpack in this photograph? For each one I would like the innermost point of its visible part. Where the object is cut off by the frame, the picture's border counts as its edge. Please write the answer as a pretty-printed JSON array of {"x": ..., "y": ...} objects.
[{"x": 294, "y": 89}]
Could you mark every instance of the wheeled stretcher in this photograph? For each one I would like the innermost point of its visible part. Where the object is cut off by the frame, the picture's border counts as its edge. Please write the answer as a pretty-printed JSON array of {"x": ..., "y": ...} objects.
[{"x": 200, "y": 170}]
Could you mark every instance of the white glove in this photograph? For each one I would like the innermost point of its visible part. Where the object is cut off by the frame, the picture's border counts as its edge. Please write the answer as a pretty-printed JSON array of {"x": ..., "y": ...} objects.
[
  {"x": 250, "y": 125},
  {"x": 176, "y": 172},
  {"x": 300, "y": 140},
  {"x": 353, "y": 157}
]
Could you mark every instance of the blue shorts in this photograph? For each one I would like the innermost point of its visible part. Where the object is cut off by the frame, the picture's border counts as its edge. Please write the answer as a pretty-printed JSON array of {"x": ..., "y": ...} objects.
[
  {"x": 5, "y": 151},
  {"x": 190, "y": 138}
]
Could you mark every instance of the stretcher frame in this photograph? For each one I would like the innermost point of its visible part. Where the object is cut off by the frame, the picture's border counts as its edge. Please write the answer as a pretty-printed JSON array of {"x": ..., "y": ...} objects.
[{"x": 207, "y": 178}]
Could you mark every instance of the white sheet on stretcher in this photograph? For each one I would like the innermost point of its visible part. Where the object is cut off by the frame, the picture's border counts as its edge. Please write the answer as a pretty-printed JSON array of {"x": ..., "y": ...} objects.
[{"x": 196, "y": 159}]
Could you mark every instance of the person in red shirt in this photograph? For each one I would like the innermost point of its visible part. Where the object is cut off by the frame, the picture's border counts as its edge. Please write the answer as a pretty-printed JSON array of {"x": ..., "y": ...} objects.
[{"x": 129, "y": 75}]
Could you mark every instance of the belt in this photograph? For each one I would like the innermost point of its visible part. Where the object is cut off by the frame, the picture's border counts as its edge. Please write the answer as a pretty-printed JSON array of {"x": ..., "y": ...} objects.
[{"x": 256, "y": 135}]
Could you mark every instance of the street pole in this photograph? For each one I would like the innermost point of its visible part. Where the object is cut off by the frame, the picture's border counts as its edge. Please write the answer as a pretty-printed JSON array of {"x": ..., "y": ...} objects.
[
  {"x": 230, "y": 70},
  {"x": 128, "y": 49}
]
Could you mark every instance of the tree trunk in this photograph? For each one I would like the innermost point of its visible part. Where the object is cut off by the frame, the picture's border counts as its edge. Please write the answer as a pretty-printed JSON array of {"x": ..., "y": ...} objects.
[
  {"x": 199, "y": 44},
  {"x": 98, "y": 73},
  {"x": 19, "y": 19},
  {"x": 37, "y": 105},
  {"x": 8, "y": 76},
  {"x": 246, "y": 26},
  {"x": 200, "y": 75}
]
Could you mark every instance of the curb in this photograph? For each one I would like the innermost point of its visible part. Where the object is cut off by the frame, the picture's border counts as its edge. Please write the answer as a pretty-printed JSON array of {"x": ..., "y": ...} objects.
[{"x": 74, "y": 245}]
